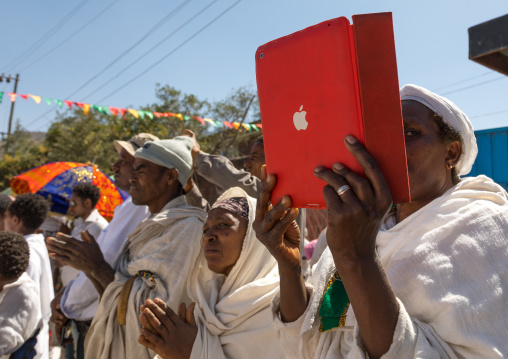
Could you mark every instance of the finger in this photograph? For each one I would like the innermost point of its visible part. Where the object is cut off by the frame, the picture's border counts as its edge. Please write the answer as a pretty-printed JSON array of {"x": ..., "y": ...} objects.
[
  {"x": 55, "y": 242},
  {"x": 181, "y": 311},
  {"x": 361, "y": 186},
  {"x": 335, "y": 181},
  {"x": 369, "y": 165},
  {"x": 276, "y": 214},
  {"x": 189, "y": 318},
  {"x": 167, "y": 310},
  {"x": 263, "y": 173},
  {"x": 189, "y": 133},
  {"x": 63, "y": 260},
  {"x": 156, "y": 324},
  {"x": 163, "y": 313},
  {"x": 264, "y": 195},
  {"x": 143, "y": 319},
  {"x": 154, "y": 339},
  {"x": 87, "y": 237},
  {"x": 143, "y": 341},
  {"x": 285, "y": 222}
]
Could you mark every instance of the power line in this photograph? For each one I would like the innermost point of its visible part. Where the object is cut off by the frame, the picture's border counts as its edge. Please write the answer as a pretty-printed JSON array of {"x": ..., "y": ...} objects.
[
  {"x": 166, "y": 18},
  {"x": 150, "y": 50},
  {"x": 172, "y": 51},
  {"x": 161, "y": 22},
  {"x": 46, "y": 36},
  {"x": 474, "y": 85},
  {"x": 94, "y": 18},
  {"x": 489, "y": 114},
  {"x": 465, "y": 80}
]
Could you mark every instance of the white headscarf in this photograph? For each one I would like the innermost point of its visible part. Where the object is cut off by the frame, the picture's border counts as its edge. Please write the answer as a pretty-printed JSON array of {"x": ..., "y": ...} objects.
[{"x": 452, "y": 116}]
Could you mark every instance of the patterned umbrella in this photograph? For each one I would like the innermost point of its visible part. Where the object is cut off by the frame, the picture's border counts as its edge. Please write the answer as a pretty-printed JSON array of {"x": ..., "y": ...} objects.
[{"x": 55, "y": 181}]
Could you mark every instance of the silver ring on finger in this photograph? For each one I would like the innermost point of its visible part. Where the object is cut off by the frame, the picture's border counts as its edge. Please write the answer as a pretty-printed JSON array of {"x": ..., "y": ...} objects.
[{"x": 343, "y": 189}]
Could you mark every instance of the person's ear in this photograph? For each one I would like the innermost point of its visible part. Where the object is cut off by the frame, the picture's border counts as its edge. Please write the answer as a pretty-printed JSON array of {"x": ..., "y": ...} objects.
[
  {"x": 172, "y": 176},
  {"x": 87, "y": 203},
  {"x": 15, "y": 219},
  {"x": 454, "y": 152}
]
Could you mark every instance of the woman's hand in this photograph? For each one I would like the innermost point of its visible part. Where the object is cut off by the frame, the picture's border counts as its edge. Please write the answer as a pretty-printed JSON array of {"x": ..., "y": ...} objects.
[
  {"x": 356, "y": 214},
  {"x": 171, "y": 336},
  {"x": 276, "y": 227}
]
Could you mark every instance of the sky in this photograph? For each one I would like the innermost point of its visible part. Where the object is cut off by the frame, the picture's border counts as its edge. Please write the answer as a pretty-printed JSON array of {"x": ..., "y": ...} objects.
[{"x": 114, "y": 52}]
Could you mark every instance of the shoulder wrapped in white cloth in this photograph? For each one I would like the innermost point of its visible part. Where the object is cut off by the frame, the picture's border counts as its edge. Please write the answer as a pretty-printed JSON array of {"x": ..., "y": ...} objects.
[
  {"x": 164, "y": 246},
  {"x": 447, "y": 266}
]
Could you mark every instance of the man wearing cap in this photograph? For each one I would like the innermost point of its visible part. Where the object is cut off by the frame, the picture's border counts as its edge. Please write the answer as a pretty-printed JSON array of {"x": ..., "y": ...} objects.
[
  {"x": 76, "y": 304},
  {"x": 158, "y": 255}
]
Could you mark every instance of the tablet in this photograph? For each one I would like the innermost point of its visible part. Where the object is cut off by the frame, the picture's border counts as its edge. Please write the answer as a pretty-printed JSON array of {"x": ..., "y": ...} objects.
[{"x": 315, "y": 87}]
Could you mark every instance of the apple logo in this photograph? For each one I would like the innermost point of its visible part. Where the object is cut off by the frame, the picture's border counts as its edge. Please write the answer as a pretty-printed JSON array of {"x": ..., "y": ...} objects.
[{"x": 299, "y": 119}]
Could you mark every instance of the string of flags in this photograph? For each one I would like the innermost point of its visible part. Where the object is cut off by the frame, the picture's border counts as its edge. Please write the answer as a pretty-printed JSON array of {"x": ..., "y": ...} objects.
[{"x": 121, "y": 112}]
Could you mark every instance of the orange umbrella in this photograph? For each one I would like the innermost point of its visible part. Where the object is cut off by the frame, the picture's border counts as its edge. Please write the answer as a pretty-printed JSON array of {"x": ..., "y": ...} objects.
[{"x": 55, "y": 181}]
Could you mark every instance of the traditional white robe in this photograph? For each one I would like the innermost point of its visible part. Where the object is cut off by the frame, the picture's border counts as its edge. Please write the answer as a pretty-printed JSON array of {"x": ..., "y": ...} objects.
[
  {"x": 39, "y": 269},
  {"x": 165, "y": 244},
  {"x": 20, "y": 314},
  {"x": 447, "y": 264},
  {"x": 233, "y": 313}
]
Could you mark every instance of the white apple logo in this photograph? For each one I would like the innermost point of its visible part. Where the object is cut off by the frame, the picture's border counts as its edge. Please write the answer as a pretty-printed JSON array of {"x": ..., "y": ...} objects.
[{"x": 299, "y": 119}]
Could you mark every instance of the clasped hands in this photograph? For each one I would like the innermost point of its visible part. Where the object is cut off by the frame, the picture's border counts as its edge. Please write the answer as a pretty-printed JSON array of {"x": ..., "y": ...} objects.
[{"x": 170, "y": 335}]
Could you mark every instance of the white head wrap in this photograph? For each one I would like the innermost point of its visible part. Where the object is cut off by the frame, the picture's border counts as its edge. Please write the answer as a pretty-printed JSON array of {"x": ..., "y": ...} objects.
[{"x": 452, "y": 116}]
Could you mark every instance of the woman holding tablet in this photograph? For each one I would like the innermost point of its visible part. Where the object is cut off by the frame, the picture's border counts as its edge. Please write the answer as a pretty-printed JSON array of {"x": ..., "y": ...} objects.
[{"x": 427, "y": 280}]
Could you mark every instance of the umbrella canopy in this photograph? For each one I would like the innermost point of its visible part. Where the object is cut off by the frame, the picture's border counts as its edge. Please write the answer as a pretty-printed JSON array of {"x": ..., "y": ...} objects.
[{"x": 55, "y": 181}]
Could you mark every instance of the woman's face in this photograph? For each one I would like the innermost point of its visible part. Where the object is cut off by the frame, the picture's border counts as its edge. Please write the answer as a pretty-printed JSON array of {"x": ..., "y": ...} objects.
[
  {"x": 223, "y": 235},
  {"x": 427, "y": 155}
]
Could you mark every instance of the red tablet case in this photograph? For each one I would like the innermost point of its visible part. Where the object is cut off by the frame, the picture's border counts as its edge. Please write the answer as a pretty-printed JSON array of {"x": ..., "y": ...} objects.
[{"x": 345, "y": 78}]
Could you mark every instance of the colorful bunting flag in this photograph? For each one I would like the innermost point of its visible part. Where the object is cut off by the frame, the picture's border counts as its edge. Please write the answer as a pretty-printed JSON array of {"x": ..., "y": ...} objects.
[
  {"x": 37, "y": 99},
  {"x": 133, "y": 112},
  {"x": 115, "y": 111}
]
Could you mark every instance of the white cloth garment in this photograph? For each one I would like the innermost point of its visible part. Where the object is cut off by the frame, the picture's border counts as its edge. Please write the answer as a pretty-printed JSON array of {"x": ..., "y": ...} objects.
[
  {"x": 39, "y": 269},
  {"x": 166, "y": 244},
  {"x": 94, "y": 224},
  {"x": 446, "y": 264},
  {"x": 233, "y": 313},
  {"x": 452, "y": 116},
  {"x": 20, "y": 314},
  {"x": 80, "y": 298}
]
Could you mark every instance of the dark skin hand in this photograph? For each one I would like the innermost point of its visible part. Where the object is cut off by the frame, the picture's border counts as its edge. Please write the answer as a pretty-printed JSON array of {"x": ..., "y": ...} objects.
[
  {"x": 276, "y": 228},
  {"x": 354, "y": 220},
  {"x": 85, "y": 256},
  {"x": 57, "y": 316},
  {"x": 170, "y": 335}
]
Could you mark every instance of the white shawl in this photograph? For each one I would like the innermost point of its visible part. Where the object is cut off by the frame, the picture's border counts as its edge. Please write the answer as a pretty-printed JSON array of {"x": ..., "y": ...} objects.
[
  {"x": 20, "y": 314},
  {"x": 165, "y": 244},
  {"x": 233, "y": 313},
  {"x": 447, "y": 264}
]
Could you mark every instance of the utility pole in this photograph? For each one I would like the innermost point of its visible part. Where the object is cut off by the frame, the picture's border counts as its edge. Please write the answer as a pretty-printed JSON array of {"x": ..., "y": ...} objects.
[{"x": 8, "y": 79}]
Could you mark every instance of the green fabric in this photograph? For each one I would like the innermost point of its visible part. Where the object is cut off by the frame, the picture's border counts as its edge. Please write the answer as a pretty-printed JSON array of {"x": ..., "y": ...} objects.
[
  {"x": 1, "y": 96},
  {"x": 334, "y": 302}
]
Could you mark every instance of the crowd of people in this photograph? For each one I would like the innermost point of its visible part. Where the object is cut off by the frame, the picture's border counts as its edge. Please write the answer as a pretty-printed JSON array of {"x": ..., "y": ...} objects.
[{"x": 176, "y": 274}]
